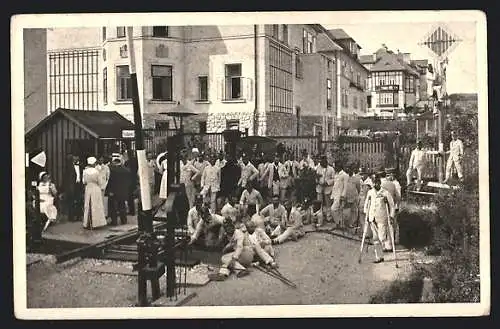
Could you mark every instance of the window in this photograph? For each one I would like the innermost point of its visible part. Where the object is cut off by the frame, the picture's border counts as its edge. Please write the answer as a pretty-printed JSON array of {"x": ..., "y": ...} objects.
[
  {"x": 162, "y": 82},
  {"x": 285, "y": 33},
  {"x": 233, "y": 124},
  {"x": 330, "y": 130},
  {"x": 299, "y": 69},
  {"x": 344, "y": 68},
  {"x": 388, "y": 99},
  {"x": 355, "y": 101},
  {"x": 105, "y": 85},
  {"x": 103, "y": 34},
  {"x": 202, "y": 126},
  {"x": 203, "y": 88},
  {"x": 297, "y": 114},
  {"x": 409, "y": 84},
  {"x": 281, "y": 79},
  {"x": 276, "y": 30},
  {"x": 120, "y": 32},
  {"x": 124, "y": 83},
  {"x": 160, "y": 31},
  {"x": 233, "y": 89},
  {"x": 308, "y": 42},
  {"x": 345, "y": 98},
  {"x": 369, "y": 101},
  {"x": 328, "y": 94},
  {"x": 161, "y": 124},
  {"x": 361, "y": 104},
  {"x": 358, "y": 79}
]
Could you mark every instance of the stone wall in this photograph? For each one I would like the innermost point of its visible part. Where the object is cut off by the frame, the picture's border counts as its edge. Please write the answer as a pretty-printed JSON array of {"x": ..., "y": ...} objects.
[
  {"x": 307, "y": 123},
  {"x": 280, "y": 124},
  {"x": 217, "y": 122}
]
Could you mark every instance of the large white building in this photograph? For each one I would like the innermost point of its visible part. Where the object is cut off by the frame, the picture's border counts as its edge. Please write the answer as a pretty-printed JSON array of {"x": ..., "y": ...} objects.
[{"x": 269, "y": 79}]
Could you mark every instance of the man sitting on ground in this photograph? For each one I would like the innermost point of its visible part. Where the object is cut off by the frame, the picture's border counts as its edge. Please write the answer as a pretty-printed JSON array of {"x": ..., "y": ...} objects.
[
  {"x": 242, "y": 256},
  {"x": 231, "y": 208},
  {"x": 211, "y": 228},
  {"x": 293, "y": 226},
  {"x": 258, "y": 235},
  {"x": 274, "y": 214},
  {"x": 194, "y": 214},
  {"x": 251, "y": 196}
]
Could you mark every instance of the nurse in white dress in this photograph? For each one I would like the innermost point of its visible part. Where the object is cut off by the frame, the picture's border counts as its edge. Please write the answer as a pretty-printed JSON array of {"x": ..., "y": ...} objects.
[{"x": 48, "y": 192}]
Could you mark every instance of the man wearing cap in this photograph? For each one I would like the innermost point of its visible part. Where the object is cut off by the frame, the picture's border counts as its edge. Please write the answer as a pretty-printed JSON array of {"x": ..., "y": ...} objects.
[
  {"x": 117, "y": 191},
  {"x": 379, "y": 206},
  {"x": 210, "y": 183},
  {"x": 417, "y": 162},
  {"x": 324, "y": 183}
]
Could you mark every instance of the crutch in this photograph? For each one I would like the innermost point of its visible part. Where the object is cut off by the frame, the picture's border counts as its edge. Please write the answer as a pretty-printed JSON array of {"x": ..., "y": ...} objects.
[
  {"x": 391, "y": 232},
  {"x": 365, "y": 230}
]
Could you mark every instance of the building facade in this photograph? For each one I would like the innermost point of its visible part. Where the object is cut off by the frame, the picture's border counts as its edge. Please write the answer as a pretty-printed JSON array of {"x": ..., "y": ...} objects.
[
  {"x": 351, "y": 80},
  {"x": 269, "y": 79},
  {"x": 395, "y": 83},
  {"x": 35, "y": 76}
]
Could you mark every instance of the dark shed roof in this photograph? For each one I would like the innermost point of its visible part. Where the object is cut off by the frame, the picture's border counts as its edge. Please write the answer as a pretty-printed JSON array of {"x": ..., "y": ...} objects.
[{"x": 99, "y": 124}]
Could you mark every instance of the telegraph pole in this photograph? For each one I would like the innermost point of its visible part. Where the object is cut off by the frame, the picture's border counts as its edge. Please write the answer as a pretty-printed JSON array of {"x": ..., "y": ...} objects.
[
  {"x": 145, "y": 215},
  {"x": 441, "y": 42}
]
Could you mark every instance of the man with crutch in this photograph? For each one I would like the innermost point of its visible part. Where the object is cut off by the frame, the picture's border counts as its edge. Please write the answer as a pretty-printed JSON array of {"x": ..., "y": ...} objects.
[{"x": 380, "y": 212}]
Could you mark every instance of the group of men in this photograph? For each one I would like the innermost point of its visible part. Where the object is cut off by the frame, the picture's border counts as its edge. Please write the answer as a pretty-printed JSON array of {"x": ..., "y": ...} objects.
[{"x": 261, "y": 209}]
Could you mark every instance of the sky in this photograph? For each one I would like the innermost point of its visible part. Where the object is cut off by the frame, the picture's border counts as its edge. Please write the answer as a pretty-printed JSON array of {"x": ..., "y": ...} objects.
[{"x": 462, "y": 61}]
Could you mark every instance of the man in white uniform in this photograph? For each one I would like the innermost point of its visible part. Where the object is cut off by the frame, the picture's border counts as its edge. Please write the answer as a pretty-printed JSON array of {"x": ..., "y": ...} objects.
[
  {"x": 417, "y": 162},
  {"x": 456, "y": 154},
  {"x": 210, "y": 183},
  {"x": 379, "y": 206}
]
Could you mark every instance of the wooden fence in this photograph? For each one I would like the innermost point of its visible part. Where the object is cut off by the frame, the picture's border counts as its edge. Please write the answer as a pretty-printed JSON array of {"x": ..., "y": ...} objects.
[
  {"x": 297, "y": 144},
  {"x": 371, "y": 155},
  {"x": 156, "y": 140}
]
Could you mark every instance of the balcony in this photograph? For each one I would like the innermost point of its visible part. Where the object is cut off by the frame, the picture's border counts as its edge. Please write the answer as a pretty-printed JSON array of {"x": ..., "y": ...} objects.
[
  {"x": 236, "y": 89},
  {"x": 394, "y": 88}
]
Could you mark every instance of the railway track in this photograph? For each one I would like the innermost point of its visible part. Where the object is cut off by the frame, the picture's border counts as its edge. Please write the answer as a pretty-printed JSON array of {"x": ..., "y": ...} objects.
[{"x": 123, "y": 242}]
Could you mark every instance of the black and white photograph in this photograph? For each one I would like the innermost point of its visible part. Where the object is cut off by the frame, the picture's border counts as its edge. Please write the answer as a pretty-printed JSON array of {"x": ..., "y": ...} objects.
[{"x": 228, "y": 165}]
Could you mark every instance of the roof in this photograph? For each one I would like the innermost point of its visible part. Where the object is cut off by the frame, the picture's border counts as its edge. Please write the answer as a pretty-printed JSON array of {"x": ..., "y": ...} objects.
[
  {"x": 390, "y": 62},
  {"x": 325, "y": 43},
  {"x": 366, "y": 59},
  {"x": 339, "y": 34},
  {"x": 99, "y": 124}
]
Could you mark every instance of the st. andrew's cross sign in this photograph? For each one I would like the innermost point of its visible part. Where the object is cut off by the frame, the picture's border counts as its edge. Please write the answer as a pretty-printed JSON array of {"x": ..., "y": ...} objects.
[{"x": 441, "y": 41}]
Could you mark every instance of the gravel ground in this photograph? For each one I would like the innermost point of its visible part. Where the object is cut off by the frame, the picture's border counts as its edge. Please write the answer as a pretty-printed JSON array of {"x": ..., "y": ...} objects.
[{"x": 324, "y": 267}]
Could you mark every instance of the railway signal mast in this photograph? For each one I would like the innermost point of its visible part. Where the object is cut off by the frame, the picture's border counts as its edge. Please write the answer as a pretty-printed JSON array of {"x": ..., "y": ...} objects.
[{"x": 440, "y": 42}]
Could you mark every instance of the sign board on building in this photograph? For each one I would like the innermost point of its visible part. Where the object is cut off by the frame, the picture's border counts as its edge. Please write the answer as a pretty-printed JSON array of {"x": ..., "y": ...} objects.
[
  {"x": 128, "y": 133},
  {"x": 388, "y": 88}
]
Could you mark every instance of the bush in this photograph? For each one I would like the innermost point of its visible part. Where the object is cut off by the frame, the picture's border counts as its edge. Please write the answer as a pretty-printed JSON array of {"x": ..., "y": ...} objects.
[
  {"x": 415, "y": 226},
  {"x": 401, "y": 291}
]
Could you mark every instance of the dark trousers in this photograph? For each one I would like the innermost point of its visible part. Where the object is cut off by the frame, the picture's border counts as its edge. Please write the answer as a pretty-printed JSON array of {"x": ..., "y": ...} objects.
[
  {"x": 74, "y": 203},
  {"x": 131, "y": 202},
  {"x": 117, "y": 207}
]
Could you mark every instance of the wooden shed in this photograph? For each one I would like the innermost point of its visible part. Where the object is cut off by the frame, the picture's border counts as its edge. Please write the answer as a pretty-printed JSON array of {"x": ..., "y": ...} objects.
[{"x": 76, "y": 132}]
